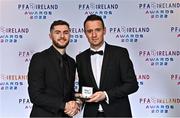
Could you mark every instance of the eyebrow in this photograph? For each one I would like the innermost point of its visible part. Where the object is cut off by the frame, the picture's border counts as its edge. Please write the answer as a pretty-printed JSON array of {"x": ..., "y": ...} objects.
[{"x": 60, "y": 31}]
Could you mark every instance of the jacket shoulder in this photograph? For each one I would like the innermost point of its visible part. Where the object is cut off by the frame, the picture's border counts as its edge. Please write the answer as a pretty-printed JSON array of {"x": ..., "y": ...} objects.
[
  {"x": 41, "y": 53},
  {"x": 71, "y": 59},
  {"x": 117, "y": 48},
  {"x": 82, "y": 54},
  {"x": 41, "y": 56}
]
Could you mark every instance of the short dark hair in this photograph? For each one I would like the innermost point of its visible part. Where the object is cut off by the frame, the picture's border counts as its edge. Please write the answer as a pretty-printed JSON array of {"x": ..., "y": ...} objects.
[
  {"x": 58, "y": 22},
  {"x": 94, "y": 17}
]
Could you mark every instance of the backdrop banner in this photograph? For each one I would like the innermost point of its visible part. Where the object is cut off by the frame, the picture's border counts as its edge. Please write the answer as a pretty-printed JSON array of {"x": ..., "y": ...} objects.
[{"x": 149, "y": 29}]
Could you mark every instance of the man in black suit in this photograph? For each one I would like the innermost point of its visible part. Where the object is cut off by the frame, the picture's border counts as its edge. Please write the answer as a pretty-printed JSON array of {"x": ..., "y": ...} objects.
[
  {"x": 51, "y": 77},
  {"x": 108, "y": 70}
]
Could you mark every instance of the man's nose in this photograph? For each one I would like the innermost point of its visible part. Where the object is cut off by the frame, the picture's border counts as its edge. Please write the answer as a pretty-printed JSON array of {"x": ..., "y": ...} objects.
[
  {"x": 94, "y": 34},
  {"x": 61, "y": 35}
]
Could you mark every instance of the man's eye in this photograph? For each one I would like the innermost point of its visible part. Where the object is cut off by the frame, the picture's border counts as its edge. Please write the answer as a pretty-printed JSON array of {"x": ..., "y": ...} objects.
[
  {"x": 99, "y": 29},
  {"x": 56, "y": 32},
  {"x": 88, "y": 31},
  {"x": 66, "y": 32}
]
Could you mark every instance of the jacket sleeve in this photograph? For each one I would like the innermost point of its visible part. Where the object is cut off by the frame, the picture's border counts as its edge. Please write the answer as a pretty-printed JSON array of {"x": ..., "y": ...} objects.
[{"x": 128, "y": 83}]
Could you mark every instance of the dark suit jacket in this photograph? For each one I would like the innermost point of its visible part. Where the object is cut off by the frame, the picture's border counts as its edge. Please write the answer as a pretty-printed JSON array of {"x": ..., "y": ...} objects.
[
  {"x": 46, "y": 89},
  {"x": 117, "y": 79}
]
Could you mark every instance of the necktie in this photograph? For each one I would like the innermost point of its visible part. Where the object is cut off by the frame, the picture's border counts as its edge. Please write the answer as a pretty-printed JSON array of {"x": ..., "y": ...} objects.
[
  {"x": 65, "y": 75},
  {"x": 65, "y": 66},
  {"x": 96, "y": 52}
]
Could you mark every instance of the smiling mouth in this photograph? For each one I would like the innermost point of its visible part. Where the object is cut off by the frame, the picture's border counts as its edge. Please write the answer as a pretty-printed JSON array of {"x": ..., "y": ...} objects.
[{"x": 62, "y": 39}]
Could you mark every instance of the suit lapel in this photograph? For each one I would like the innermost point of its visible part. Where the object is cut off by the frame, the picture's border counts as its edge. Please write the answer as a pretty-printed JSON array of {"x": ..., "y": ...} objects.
[
  {"x": 88, "y": 61},
  {"x": 71, "y": 71},
  {"x": 53, "y": 59},
  {"x": 104, "y": 64}
]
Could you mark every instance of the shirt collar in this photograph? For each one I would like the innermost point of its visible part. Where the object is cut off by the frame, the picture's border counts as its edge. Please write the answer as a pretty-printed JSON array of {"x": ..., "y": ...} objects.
[
  {"x": 101, "y": 48},
  {"x": 59, "y": 55}
]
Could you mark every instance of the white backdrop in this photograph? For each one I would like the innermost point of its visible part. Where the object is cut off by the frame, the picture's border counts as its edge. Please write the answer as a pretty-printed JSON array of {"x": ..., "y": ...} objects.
[{"x": 149, "y": 29}]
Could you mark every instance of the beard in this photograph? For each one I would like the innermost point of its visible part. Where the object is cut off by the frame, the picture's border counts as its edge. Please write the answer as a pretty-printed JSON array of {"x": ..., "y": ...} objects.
[{"x": 57, "y": 45}]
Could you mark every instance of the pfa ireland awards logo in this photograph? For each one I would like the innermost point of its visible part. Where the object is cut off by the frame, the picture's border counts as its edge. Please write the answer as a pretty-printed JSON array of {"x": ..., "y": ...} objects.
[
  {"x": 159, "y": 10},
  {"x": 159, "y": 57},
  {"x": 159, "y": 105},
  {"x": 12, "y": 82},
  {"x": 76, "y": 34},
  {"x": 129, "y": 34},
  {"x": 175, "y": 30},
  {"x": 37, "y": 11},
  {"x": 102, "y": 9},
  {"x": 12, "y": 34}
]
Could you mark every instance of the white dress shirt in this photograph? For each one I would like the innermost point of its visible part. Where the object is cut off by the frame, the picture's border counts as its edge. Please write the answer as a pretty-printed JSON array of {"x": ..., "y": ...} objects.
[{"x": 96, "y": 63}]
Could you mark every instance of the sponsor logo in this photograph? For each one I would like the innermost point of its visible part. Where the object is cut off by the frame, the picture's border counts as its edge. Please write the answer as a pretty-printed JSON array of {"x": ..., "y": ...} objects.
[
  {"x": 175, "y": 78},
  {"x": 12, "y": 82},
  {"x": 101, "y": 9},
  {"x": 25, "y": 102},
  {"x": 129, "y": 34},
  {"x": 26, "y": 55},
  {"x": 161, "y": 10},
  {"x": 37, "y": 11},
  {"x": 12, "y": 34},
  {"x": 159, "y": 57},
  {"x": 142, "y": 78},
  {"x": 76, "y": 34},
  {"x": 175, "y": 30},
  {"x": 159, "y": 105}
]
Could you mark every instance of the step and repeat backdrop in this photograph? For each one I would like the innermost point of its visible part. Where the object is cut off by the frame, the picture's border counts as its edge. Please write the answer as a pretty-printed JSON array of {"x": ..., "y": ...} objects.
[{"x": 149, "y": 29}]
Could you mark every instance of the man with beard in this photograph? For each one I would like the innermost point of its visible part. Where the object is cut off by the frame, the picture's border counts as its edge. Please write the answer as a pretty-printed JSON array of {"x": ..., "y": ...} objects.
[{"x": 51, "y": 77}]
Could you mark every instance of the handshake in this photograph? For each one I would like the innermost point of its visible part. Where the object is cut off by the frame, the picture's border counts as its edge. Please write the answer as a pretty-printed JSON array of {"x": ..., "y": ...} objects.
[{"x": 72, "y": 107}]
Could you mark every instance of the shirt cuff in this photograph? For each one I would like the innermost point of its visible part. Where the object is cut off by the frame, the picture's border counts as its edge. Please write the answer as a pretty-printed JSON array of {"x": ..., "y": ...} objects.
[{"x": 107, "y": 98}]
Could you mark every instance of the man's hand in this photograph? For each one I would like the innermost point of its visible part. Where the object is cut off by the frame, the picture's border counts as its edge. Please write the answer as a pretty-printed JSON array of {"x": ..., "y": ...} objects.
[
  {"x": 71, "y": 108},
  {"x": 97, "y": 97}
]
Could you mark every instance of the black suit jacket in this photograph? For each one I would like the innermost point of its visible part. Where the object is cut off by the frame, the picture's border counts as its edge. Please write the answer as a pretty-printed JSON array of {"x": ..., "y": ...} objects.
[
  {"x": 117, "y": 79},
  {"x": 46, "y": 89}
]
